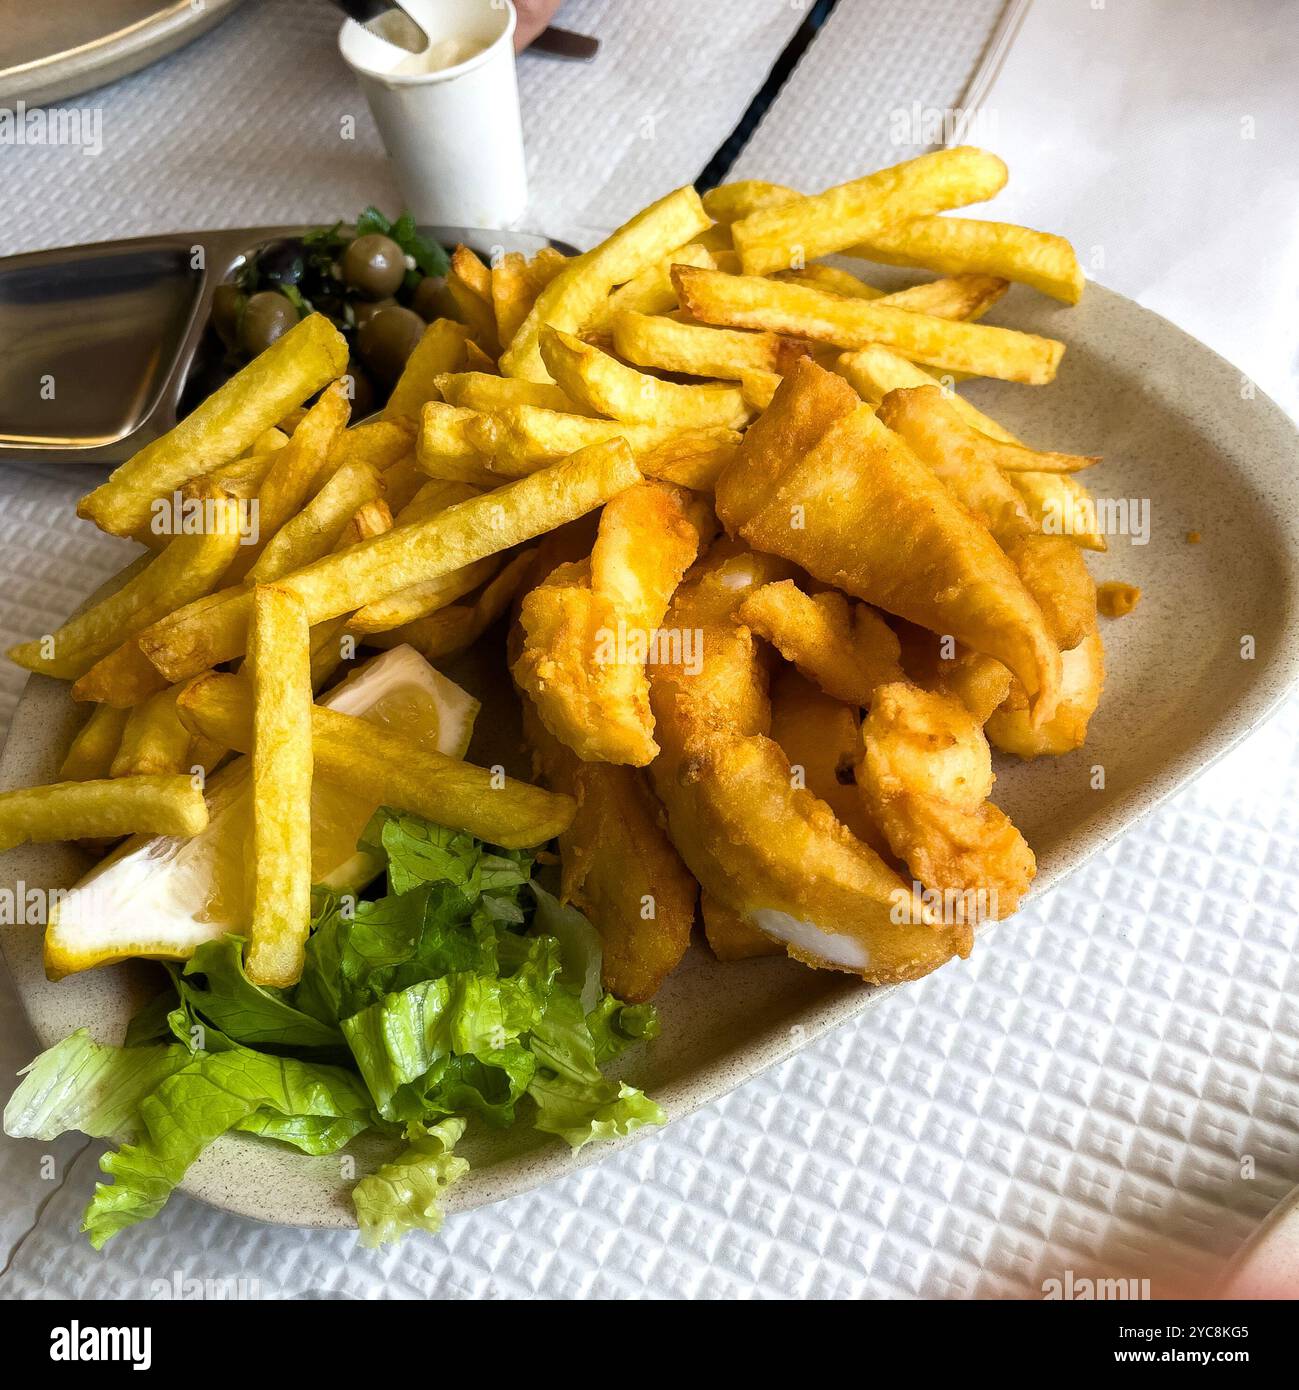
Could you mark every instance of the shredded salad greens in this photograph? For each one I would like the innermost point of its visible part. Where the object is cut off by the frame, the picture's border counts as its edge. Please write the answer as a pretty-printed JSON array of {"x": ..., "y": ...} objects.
[{"x": 466, "y": 995}]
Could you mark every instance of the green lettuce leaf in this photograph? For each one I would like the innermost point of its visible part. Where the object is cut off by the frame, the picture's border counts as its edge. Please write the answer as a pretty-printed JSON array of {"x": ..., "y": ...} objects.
[
  {"x": 406, "y": 1194},
  {"x": 579, "y": 943},
  {"x": 214, "y": 986},
  {"x": 212, "y": 1093},
  {"x": 400, "y": 1042},
  {"x": 574, "y": 1100},
  {"x": 615, "y": 1026},
  {"x": 97, "y": 1089}
]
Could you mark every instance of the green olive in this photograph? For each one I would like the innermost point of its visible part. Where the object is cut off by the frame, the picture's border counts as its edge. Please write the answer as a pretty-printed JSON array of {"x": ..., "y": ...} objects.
[
  {"x": 266, "y": 316},
  {"x": 364, "y": 310},
  {"x": 374, "y": 265},
  {"x": 432, "y": 300},
  {"x": 387, "y": 339},
  {"x": 226, "y": 302},
  {"x": 361, "y": 390}
]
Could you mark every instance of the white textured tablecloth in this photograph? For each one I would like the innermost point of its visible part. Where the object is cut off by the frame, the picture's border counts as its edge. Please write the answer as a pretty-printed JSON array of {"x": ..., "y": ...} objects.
[{"x": 1081, "y": 1094}]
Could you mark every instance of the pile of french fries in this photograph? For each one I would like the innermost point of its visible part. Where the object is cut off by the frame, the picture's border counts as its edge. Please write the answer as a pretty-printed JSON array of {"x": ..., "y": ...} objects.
[{"x": 698, "y": 465}]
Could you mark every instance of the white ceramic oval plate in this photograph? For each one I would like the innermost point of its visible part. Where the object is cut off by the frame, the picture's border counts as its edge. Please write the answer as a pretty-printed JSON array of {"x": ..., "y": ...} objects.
[{"x": 1178, "y": 427}]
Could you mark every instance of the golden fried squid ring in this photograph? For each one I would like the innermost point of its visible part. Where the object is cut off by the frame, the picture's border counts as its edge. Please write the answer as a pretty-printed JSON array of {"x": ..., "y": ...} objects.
[
  {"x": 925, "y": 774},
  {"x": 590, "y": 626},
  {"x": 761, "y": 846},
  {"x": 1084, "y": 677},
  {"x": 821, "y": 481}
]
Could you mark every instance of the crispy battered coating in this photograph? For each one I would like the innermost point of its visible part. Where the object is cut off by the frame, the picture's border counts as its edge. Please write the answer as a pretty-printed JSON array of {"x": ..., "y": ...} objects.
[
  {"x": 732, "y": 936},
  {"x": 1052, "y": 568},
  {"x": 764, "y": 848},
  {"x": 945, "y": 667},
  {"x": 589, "y": 626},
  {"x": 925, "y": 773},
  {"x": 822, "y": 482},
  {"x": 1084, "y": 678},
  {"x": 846, "y": 648},
  {"x": 618, "y": 865},
  {"x": 821, "y": 737}
]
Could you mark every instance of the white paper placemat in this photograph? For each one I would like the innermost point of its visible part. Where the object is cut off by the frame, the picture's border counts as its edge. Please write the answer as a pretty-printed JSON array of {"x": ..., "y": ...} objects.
[{"x": 1082, "y": 1094}]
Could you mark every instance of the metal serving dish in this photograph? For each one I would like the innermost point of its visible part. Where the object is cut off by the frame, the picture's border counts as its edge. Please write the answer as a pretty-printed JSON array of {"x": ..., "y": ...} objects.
[{"x": 99, "y": 343}]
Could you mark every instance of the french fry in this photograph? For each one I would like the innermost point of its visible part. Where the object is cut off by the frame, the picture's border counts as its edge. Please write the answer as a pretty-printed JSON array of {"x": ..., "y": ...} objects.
[
  {"x": 402, "y": 481},
  {"x": 759, "y": 388},
  {"x": 545, "y": 265},
  {"x": 929, "y": 414},
  {"x": 523, "y": 438},
  {"x": 243, "y": 478},
  {"x": 966, "y": 297},
  {"x": 876, "y": 370},
  {"x": 650, "y": 292},
  {"x": 435, "y": 495},
  {"x": 472, "y": 271},
  {"x": 267, "y": 442},
  {"x": 1060, "y": 505},
  {"x": 696, "y": 350},
  {"x": 279, "y": 663},
  {"x": 422, "y": 599},
  {"x": 453, "y": 628},
  {"x": 126, "y": 676},
  {"x": 381, "y": 767},
  {"x": 299, "y": 470},
  {"x": 317, "y": 527},
  {"x": 380, "y": 443},
  {"x": 578, "y": 291},
  {"x": 962, "y": 245},
  {"x": 607, "y": 386},
  {"x": 101, "y": 810},
  {"x": 470, "y": 285},
  {"x": 188, "y": 568},
  {"x": 729, "y": 202},
  {"x": 832, "y": 278},
  {"x": 741, "y": 301},
  {"x": 378, "y": 568},
  {"x": 308, "y": 356},
  {"x": 154, "y": 741},
  {"x": 476, "y": 360},
  {"x": 775, "y": 237},
  {"x": 92, "y": 751},
  {"x": 440, "y": 350},
  {"x": 845, "y": 648},
  {"x": 330, "y": 640},
  {"x": 485, "y": 392},
  {"x": 513, "y": 293},
  {"x": 445, "y": 448}
]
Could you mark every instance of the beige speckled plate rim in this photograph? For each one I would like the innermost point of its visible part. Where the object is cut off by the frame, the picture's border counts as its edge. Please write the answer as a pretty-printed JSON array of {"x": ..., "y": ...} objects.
[{"x": 1273, "y": 442}]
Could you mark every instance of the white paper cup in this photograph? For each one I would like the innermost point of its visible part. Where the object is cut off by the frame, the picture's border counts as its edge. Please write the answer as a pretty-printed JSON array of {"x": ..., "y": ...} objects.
[{"x": 454, "y": 136}]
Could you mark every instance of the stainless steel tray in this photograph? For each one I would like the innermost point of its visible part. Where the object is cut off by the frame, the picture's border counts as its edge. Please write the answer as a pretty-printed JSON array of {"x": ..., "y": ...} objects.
[
  {"x": 51, "y": 49},
  {"x": 97, "y": 342}
]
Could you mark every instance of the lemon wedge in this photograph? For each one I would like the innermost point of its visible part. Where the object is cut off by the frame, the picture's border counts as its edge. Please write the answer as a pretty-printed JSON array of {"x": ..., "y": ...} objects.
[{"x": 161, "y": 897}]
